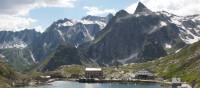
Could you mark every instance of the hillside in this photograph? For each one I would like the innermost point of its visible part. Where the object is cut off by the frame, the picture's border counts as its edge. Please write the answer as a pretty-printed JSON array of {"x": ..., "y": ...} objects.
[
  {"x": 14, "y": 48},
  {"x": 67, "y": 31},
  {"x": 7, "y": 75},
  {"x": 183, "y": 64},
  {"x": 65, "y": 55},
  {"x": 18, "y": 59}
]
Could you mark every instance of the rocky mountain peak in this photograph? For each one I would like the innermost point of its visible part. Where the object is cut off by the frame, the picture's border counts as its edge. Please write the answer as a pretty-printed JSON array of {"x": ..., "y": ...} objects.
[
  {"x": 63, "y": 20},
  {"x": 121, "y": 13},
  {"x": 89, "y": 17},
  {"x": 141, "y": 8},
  {"x": 109, "y": 17},
  {"x": 94, "y": 18}
]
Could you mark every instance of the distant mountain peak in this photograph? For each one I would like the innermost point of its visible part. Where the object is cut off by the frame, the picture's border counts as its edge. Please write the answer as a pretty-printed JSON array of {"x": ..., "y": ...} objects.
[
  {"x": 110, "y": 14},
  {"x": 109, "y": 17},
  {"x": 121, "y": 13},
  {"x": 88, "y": 17},
  {"x": 141, "y": 8},
  {"x": 93, "y": 18}
]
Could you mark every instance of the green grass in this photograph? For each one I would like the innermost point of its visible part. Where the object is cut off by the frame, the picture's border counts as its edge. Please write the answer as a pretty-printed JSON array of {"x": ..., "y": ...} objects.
[
  {"x": 75, "y": 69},
  {"x": 184, "y": 64},
  {"x": 7, "y": 75}
]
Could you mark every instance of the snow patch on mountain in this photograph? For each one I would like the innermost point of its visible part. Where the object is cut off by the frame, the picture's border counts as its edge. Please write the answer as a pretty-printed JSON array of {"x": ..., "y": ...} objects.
[
  {"x": 162, "y": 24},
  {"x": 100, "y": 23},
  {"x": 87, "y": 34},
  {"x": 125, "y": 60},
  {"x": 68, "y": 23},
  {"x": 168, "y": 46},
  {"x": 154, "y": 28},
  {"x": 85, "y": 22},
  {"x": 178, "y": 50},
  {"x": 189, "y": 40},
  {"x": 2, "y": 56},
  {"x": 32, "y": 57},
  {"x": 189, "y": 27},
  {"x": 77, "y": 45},
  {"x": 79, "y": 31},
  {"x": 16, "y": 43},
  {"x": 61, "y": 35}
]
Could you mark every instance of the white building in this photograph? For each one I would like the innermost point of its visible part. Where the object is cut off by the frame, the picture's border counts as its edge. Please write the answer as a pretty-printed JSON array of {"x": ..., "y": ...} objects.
[{"x": 93, "y": 73}]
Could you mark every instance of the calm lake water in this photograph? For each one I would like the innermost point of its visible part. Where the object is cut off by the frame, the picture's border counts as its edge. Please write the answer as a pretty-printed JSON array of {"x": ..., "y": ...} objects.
[{"x": 69, "y": 84}]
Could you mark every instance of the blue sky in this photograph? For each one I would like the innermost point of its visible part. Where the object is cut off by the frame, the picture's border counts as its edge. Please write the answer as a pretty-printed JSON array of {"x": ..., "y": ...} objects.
[
  {"x": 46, "y": 16},
  {"x": 16, "y": 15}
]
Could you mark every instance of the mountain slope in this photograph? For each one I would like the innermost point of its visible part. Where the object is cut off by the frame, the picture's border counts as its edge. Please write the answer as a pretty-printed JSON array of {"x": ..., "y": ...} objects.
[
  {"x": 14, "y": 48},
  {"x": 19, "y": 59},
  {"x": 7, "y": 75},
  {"x": 189, "y": 26},
  {"x": 125, "y": 37},
  {"x": 183, "y": 64},
  {"x": 66, "y": 31},
  {"x": 21, "y": 49},
  {"x": 19, "y": 39},
  {"x": 65, "y": 55}
]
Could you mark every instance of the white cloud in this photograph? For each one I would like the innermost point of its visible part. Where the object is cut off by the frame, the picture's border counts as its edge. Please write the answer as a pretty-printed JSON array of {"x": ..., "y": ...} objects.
[
  {"x": 13, "y": 13},
  {"x": 16, "y": 23},
  {"x": 39, "y": 28},
  {"x": 57, "y": 3},
  {"x": 131, "y": 8},
  {"x": 97, "y": 11},
  {"x": 179, "y": 7},
  {"x": 13, "y": 22},
  {"x": 22, "y": 7}
]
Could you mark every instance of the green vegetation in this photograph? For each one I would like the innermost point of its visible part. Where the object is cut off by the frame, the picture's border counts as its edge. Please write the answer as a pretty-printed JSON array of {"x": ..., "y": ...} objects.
[
  {"x": 184, "y": 64},
  {"x": 68, "y": 70},
  {"x": 65, "y": 55},
  {"x": 7, "y": 75}
]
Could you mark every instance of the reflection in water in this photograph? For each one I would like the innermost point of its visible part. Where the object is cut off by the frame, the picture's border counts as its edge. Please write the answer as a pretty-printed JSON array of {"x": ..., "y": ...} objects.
[
  {"x": 69, "y": 84},
  {"x": 91, "y": 86}
]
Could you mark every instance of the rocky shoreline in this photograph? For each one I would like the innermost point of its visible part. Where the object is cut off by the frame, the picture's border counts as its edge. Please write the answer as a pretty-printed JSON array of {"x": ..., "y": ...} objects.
[{"x": 41, "y": 82}]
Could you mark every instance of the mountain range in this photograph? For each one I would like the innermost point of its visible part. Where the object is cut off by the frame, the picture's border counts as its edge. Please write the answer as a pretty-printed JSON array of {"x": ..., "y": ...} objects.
[
  {"x": 115, "y": 39},
  {"x": 25, "y": 48},
  {"x": 142, "y": 36}
]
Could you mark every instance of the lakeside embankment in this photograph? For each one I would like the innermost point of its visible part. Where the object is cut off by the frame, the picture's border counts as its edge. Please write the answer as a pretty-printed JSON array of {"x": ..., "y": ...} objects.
[
  {"x": 103, "y": 82},
  {"x": 72, "y": 84},
  {"x": 122, "y": 81}
]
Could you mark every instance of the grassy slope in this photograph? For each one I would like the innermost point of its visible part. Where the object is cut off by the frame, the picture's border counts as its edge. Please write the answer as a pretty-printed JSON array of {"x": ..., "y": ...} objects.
[
  {"x": 7, "y": 75},
  {"x": 36, "y": 70},
  {"x": 67, "y": 71},
  {"x": 185, "y": 64}
]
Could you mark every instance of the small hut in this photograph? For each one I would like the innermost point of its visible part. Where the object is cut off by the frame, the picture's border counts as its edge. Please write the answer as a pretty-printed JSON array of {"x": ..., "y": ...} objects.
[
  {"x": 93, "y": 73},
  {"x": 144, "y": 75}
]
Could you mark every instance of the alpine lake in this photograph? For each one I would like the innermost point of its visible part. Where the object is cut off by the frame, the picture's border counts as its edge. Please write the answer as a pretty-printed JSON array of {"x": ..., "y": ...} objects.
[{"x": 72, "y": 84}]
